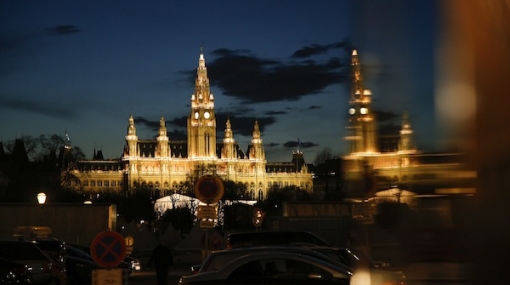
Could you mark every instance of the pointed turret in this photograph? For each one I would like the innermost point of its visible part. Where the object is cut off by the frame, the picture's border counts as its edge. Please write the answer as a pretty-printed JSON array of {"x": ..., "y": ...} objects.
[
  {"x": 256, "y": 150},
  {"x": 228, "y": 151},
  {"x": 131, "y": 137},
  {"x": 406, "y": 144},
  {"x": 163, "y": 147}
]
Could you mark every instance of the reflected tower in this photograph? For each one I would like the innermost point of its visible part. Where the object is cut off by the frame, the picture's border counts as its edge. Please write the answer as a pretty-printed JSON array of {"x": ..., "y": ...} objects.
[{"x": 361, "y": 130}]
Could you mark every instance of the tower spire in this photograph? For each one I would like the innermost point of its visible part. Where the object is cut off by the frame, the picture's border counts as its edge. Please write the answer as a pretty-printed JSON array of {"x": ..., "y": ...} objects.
[
  {"x": 163, "y": 148},
  {"x": 202, "y": 120},
  {"x": 131, "y": 137},
  {"x": 228, "y": 151},
  {"x": 256, "y": 150},
  {"x": 406, "y": 141},
  {"x": 361, "y": 128}
]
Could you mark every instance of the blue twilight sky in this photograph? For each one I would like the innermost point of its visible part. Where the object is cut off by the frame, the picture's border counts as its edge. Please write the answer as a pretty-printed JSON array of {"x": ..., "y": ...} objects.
[{"x": 85, "y": 66}]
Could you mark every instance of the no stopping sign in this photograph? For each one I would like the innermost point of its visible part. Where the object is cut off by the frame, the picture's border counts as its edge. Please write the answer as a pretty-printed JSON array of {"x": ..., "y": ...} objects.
[
  {"x": 108, "y": 249},
  {"x": 209, "y": 189}
]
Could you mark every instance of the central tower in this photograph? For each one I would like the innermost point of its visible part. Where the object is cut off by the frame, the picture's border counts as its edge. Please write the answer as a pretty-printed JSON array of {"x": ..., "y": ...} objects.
[
  {"x": 361, "y": 128},
  {"x": 201, "y": 119}
]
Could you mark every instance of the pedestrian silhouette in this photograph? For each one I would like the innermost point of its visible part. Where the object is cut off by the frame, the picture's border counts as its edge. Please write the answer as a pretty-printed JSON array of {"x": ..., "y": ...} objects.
[{"x": 162, "y": 259}]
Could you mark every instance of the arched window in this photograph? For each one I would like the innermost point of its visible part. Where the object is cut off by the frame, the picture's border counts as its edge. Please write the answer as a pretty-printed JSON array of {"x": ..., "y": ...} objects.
[{"x": 261, "y": 195}]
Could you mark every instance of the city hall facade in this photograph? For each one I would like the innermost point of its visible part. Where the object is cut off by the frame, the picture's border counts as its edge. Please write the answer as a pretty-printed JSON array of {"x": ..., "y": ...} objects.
[{"x": 170, "y": 166}]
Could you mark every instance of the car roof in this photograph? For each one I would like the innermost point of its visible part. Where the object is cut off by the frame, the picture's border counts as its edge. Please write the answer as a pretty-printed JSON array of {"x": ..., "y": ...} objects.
[
  {"x": 215, "y": 255},
  {"x": 228, "y": 268}
]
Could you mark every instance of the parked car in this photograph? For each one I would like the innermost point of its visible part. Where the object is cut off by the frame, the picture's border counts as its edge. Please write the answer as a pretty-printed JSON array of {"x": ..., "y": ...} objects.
[
  {"x": 79, "y": 266},
  {"x": 273, "y": 267},
  {"x": 245, "y": 239},
  {"x": 218, "y": 259},
  {"x": 55, "y": 250},
  {"x": 133, "y": 262},
  {"x": 340, "y": 257},
  {"x": 14, "y": 273},
  {"x": 36, "y": 261},
  {"x": 361, "y": 263},
  {"x": 354, "y": 258}
]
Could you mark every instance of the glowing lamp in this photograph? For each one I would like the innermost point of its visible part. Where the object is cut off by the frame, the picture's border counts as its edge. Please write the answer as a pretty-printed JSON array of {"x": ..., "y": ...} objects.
[{"x": 41, "y": 198}]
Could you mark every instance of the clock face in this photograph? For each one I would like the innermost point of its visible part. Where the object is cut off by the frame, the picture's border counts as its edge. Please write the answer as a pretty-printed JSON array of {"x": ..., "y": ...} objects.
[
  {"x": 364, "y": 111},
  {"x": 206, "y": 115},
  {"x": 352, "y": 111},
  {"x": 196, "y": 115}
]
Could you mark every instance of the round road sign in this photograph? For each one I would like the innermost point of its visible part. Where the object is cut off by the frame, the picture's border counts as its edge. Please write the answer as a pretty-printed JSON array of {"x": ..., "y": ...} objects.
[
  {"x": 108, "y": 249},
  {"x": 209, "y": 189}
]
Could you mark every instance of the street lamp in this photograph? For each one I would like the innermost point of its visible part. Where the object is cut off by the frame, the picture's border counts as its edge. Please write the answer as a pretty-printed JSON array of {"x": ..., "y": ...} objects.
[{"x": 41, "y": 198}]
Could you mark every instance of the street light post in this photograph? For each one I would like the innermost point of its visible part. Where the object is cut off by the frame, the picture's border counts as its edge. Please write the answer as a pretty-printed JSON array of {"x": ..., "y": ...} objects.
[{"x": 41, "y": 199}]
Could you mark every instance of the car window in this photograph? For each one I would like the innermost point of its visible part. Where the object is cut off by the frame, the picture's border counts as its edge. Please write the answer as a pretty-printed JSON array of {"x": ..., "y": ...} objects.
[
  {"x": 281, "y": 268},
  {"x": 54, "y": 249},
  {"x": 252, "y": 269},
  {"x": 71, "y": 251}
]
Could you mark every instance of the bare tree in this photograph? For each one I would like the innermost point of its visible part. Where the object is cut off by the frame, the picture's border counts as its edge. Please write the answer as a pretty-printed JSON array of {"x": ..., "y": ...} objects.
[{"x": 322, "y": 156}]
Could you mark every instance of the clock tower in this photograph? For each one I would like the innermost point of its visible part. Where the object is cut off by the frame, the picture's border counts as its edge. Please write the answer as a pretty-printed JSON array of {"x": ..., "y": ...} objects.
[
  {"x": 201, "y": 119},
  {"x": 361, "y": 129}
]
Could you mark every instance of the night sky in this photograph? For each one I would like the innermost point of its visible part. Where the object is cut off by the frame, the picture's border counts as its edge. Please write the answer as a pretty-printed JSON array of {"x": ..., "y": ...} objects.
[{"x": 85, "y": 66}]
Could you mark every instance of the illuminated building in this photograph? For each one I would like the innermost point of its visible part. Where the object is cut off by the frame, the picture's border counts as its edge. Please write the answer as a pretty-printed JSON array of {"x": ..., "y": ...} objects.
[
  {"x": 374, "y": 163},
  {"x": 165, "y": 165}
]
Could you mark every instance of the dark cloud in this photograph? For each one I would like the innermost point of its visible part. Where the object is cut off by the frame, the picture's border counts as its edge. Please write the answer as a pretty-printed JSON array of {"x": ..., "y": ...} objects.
[
  {"x": 42, "y": 108},
  {"x": 62, "y": 30},
  {"x": 270, "y": 145},
  {"x": 252, "y": 79},
  {"x": 178, "y": 122},
  {"x": 241, "y": 125},
  {"x": 177, "y": 135},
  {"x": 18, "y": 50},
  {"x": 272, "y": 113},
  {"x": 313, "y": 107},
  {"x": 317, "y": 49},
  {"x": 300, "y": 144},
  {"x": 154, "y": 125}
]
